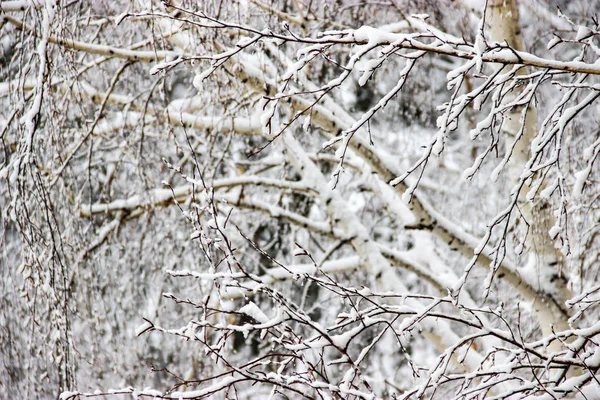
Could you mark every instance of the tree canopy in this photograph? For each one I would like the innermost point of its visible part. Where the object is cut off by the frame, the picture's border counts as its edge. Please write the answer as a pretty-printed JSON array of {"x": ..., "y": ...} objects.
[{"x": 278, "y": 199}]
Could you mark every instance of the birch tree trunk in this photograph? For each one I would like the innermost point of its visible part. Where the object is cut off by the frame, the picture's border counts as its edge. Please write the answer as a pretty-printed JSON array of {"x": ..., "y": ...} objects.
[{"x": 543, "y": 268}]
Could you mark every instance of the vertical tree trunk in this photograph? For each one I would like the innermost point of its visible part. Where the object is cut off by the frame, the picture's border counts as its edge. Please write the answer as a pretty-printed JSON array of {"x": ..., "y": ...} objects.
[{"x": 544, "y": 261}]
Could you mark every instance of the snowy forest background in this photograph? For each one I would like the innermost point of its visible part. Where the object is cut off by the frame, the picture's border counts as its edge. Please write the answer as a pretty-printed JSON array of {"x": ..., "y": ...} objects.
[{"x": 278, "y": 199}]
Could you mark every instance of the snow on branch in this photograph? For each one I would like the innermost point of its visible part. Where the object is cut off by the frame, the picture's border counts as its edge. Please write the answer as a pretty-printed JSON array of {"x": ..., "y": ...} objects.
[{"x": 104, "y": 50}]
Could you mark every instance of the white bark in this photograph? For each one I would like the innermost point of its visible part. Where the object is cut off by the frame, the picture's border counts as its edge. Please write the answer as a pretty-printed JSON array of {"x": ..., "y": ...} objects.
[{"x": 520, "y": 126}]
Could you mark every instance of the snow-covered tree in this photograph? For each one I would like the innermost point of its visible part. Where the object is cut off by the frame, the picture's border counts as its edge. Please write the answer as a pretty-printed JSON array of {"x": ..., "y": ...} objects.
[{"x": 330, "y": 199}]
